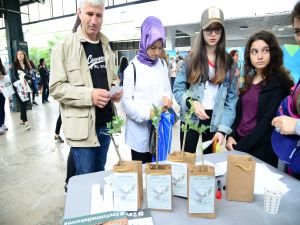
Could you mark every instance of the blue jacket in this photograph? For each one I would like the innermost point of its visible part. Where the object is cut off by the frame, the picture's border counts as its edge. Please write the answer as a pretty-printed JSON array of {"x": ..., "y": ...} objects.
[{"x": 224, "y": 109}]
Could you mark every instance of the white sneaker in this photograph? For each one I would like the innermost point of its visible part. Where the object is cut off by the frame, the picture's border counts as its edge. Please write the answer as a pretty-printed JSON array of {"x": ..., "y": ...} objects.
[
  {"x": 4, "y": 127},
  {"x": 2, "y": 131},
  {"x": 27, "y": 126}
]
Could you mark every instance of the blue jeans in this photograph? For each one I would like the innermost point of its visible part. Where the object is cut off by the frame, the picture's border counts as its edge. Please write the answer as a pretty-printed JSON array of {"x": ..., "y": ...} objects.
[{"x": 92, "y": 159}]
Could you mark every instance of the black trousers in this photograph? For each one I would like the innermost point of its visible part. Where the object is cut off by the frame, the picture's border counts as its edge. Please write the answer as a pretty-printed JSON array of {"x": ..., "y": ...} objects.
[
  {"x": 2, "y": 109},
  {"x": 71, "y": 169},
  {"x": 145, "y": 157},
  {"x": 192, "y": 136},
  {"x": 58, "y": 125},
  {"x": 23, "y": 113}
]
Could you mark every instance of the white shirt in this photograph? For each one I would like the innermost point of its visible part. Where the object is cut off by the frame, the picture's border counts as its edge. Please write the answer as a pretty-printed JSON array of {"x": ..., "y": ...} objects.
[{"x": 152, "y": 83}]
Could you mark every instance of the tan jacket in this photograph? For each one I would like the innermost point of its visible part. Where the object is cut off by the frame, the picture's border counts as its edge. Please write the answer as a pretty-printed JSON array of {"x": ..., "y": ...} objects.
[{"x": 71, "y": 85}]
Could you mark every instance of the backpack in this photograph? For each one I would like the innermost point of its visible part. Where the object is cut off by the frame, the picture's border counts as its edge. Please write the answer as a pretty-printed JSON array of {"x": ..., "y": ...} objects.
[{"x": 287, "y": 147}]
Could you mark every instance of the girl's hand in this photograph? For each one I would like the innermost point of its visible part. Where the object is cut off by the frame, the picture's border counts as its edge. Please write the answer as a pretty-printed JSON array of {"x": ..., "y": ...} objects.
[
  {"x": 200, "y": 111},
  {"x": 166, "y": 103},
  {"x": 230, "y": 142},
  {"x": 219, "y": 137}
]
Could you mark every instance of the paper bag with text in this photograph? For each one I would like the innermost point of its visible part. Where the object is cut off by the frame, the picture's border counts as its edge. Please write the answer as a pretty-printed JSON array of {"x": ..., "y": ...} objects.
[
  {"x": 240, "y": 178},
  {"x": 159, "y": 187},
  {"x": 179, "y": 160},
  {"x": 128, "y": 186},
  {"x": 201, "y": 191}
]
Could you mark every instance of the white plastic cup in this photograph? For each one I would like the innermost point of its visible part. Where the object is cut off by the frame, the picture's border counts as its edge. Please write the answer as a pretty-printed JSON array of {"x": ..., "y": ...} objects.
[{"x": 272, "y": 198}]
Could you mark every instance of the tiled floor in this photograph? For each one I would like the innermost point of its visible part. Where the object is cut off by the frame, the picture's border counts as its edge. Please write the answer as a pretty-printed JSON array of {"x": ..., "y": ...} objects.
[{"x": 33, "y": 167}]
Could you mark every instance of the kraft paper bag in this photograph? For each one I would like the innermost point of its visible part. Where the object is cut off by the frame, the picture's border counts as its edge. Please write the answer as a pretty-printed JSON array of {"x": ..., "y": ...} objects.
[
  {"x": 159, "y": 187},
  {"x": 181, "y": 156},
  {"x": 240, "y": 178},
  {"x": 133, "y": 169},
  {"x": 201, "y": 191},
  {"x": 179, "y": 160}
]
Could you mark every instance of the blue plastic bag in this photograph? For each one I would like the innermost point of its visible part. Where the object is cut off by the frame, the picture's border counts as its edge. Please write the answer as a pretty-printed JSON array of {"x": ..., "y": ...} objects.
[{"x": 164, "y": 136}]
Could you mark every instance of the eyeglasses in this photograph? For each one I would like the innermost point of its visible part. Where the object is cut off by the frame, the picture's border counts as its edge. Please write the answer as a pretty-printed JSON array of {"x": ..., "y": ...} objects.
[
  {"x": 264, "y": 51},
  {"x": 297, "y": 31},
  {"x": 210, "y": 30}
]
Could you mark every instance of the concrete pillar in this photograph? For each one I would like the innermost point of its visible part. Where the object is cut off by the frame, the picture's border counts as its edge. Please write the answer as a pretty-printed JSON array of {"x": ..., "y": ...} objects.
[{"x": 170, "y": 41}]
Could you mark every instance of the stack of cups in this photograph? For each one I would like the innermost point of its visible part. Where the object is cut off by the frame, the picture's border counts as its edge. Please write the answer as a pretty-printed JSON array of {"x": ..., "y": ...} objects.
[{"x": 272, "y": 198}]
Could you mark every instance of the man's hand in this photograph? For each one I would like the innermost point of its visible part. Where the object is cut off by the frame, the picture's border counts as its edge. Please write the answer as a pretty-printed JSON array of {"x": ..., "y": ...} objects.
[
  {"x": 100, "y": 97},
  {"x": 230, "y": 142},
  {"x": 285, "y": 124},
  {"x": 200, "y": 111},
  {"x": 116, "y": 97},
  {"x": 166, "y": 103}
]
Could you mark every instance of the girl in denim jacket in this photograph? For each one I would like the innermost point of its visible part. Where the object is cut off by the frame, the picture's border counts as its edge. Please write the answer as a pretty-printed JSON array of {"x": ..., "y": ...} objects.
[{"x": 206, "y": 77}]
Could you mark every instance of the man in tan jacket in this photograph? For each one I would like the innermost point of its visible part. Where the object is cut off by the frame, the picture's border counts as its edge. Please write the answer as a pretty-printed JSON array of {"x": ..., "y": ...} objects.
[{"x": 82, "y": 73}]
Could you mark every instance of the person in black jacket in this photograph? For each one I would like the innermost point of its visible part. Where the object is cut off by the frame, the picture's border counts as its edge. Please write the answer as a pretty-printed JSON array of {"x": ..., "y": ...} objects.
[
  {"x": 44, "y": 75},
  {"x": 22, "y": 71},
  {"x": 267, "y": 82}
]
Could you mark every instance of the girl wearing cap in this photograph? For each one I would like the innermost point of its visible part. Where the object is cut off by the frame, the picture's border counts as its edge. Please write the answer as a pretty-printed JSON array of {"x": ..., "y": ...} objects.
[
  {"x": 207, "y": 78},
  {"x": 267, "y": 82},
  {"x": 145, "y": 83}
]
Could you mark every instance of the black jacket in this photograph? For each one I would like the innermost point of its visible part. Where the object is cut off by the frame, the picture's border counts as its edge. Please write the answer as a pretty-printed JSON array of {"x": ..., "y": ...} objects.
[
  {"x": 258, "y": 141},
  {"x": 44, "y": 75}
]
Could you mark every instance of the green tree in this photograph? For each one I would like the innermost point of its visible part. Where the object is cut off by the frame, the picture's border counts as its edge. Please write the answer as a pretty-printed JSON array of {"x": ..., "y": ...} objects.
[{"x": 35, "y": 54}]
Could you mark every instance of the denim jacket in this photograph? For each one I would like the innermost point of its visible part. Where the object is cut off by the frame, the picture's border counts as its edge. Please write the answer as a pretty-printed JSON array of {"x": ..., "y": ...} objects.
[{"x": 224, "y": 109}]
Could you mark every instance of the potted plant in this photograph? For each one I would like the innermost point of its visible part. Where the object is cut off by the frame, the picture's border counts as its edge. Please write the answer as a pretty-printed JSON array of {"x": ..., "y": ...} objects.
[
  {"x": 201, "y": 182},
  {"x": 127, "y": 179},
  {"x": 114, "y": 127},
  {"x": 158, "y": 176}
]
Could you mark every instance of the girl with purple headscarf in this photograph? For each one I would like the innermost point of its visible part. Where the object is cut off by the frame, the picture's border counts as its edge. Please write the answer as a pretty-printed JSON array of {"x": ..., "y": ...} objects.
[{"x": 150, "y": 85}]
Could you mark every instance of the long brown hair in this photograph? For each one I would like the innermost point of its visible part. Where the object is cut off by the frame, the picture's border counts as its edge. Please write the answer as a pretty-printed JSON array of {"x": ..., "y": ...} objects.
[
  {"x": 26, "y": 61},
  {"x": 274, "y": 68},
  {"x": 197, "y": 62}
]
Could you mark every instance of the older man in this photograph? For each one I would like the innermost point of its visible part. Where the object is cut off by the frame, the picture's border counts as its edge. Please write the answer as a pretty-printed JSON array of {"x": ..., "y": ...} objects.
[{"x": 82, "y": 74}]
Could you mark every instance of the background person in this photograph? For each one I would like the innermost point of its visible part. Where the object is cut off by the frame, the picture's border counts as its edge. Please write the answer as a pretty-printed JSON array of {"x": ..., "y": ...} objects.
[
  {"x": 44, "y": 76},
  {"x": 235, "y": 56},
  {"x": 34, "y": 85},
  {"x": 122, "y": 67},
  {"x": 22, "y": 71},
  {"x": 202, "y": 78},
  {"x": 3, "y": 127}
]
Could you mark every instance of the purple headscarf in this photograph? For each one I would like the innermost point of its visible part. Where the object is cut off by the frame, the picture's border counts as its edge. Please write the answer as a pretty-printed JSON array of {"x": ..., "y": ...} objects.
[{"x": 151, "y": 31}]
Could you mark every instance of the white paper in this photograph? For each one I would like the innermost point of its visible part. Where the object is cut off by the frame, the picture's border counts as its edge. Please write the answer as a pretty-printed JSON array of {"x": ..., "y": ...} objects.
[
  {"x": 114, "y": 90},
  {"x": 179, "y": 178},
  {"x": 6, "y": 86},
  {"x": 108, "y": 204},
  {"x": 219, "y": 171},
  {"x": 141, "y": 217},
  {"x": 264, "y": 177},
  {"x": 159, "y": 191},
  {"x": 96, "y": 200},
  {"x": 201, "y": 194},
  {"x": 125, "y": 187}
]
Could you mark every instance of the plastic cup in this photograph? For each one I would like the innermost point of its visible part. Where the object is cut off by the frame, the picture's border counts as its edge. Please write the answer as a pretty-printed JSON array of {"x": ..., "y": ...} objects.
[{"x": 272, "y": 197}]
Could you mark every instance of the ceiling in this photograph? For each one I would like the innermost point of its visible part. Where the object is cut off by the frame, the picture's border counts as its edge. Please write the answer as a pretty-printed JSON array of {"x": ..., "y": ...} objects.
[
  {"x": 242, "y": 20},
  {"x": 26, "y": 2},
  {"x": 242, "y": 28}
]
